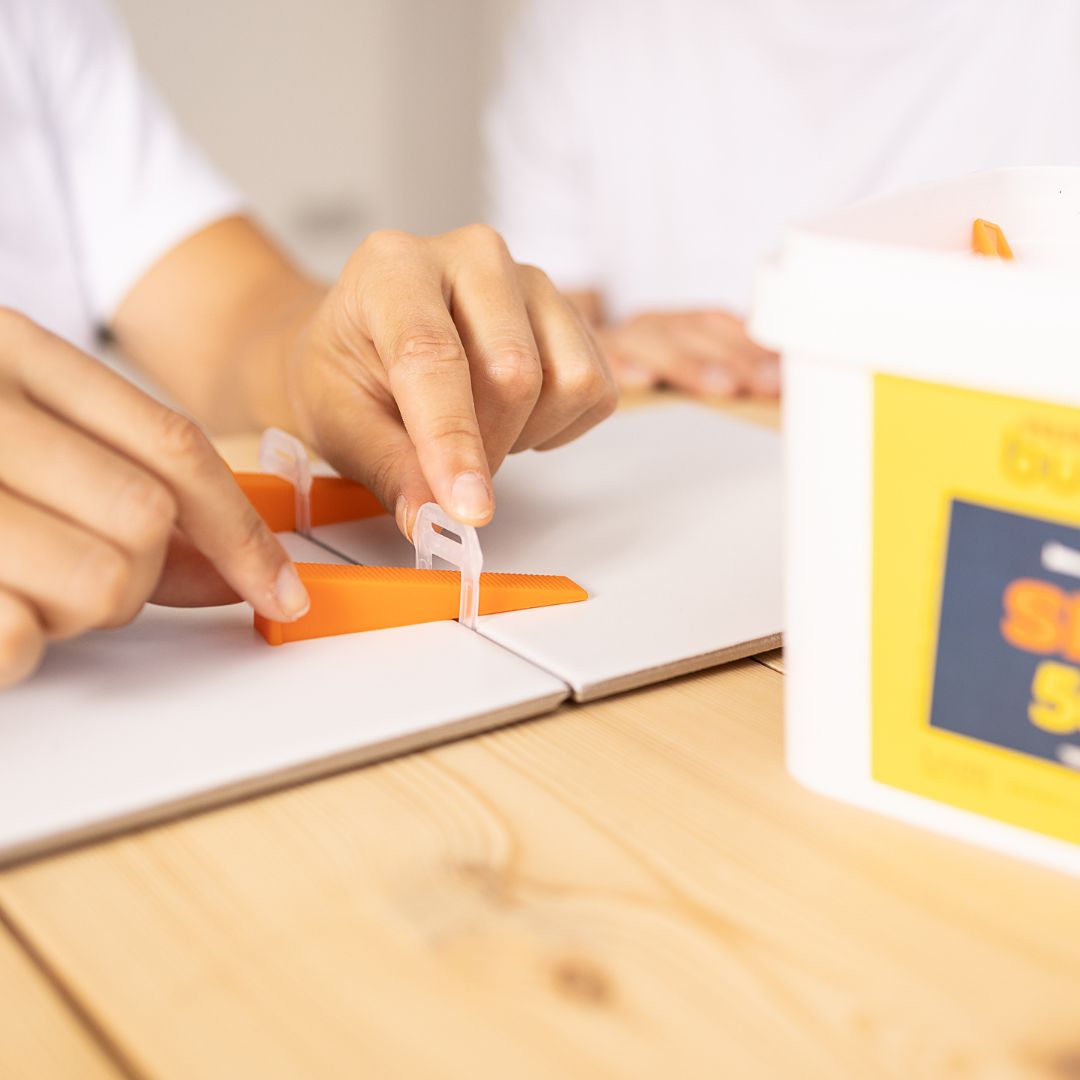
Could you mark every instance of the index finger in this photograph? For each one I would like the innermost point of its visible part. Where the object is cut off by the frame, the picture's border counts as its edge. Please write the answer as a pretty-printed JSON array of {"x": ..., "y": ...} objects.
[
  {"x": 428, "y": 371},
  {"x": 211, "y": 509}
]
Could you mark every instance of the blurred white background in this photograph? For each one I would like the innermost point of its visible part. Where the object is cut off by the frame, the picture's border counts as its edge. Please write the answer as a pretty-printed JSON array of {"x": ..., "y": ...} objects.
[{"x": 334, "y": 116}]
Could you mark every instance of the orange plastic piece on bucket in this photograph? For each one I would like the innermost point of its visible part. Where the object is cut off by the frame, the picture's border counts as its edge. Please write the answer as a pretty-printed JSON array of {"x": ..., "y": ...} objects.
[
  {"x": 348, "y": 599},
  {"x": 988, "y": 239}
]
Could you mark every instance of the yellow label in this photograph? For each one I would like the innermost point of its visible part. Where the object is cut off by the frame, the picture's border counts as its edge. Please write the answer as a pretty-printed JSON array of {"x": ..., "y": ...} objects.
[{"x": 976, "y": 602}]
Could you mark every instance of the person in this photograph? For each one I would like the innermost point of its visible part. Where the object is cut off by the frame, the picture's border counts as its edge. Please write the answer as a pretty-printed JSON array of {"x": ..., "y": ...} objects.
[
  {"x": 650, "y": 155},
  {"x": 417, "y": 372}
]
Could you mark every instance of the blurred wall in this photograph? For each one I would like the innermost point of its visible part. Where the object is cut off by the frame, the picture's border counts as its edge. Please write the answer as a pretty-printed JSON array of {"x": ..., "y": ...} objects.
[{"x": 335, "y": 116}]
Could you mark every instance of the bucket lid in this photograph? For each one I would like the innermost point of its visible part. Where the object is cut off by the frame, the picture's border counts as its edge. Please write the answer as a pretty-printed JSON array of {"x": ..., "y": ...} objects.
[{"x": 891, "y": 284}]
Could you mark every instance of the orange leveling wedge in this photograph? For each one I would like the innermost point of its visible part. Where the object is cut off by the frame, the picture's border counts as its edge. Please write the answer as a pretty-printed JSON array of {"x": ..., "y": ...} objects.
[
  {"x": 350, "y": 598},
  {"x": 988, "y": 239},
  {"x": 333, "y": 499},
  {"x": 347, "y": 599},
  {"x": 288, "y": 497}
]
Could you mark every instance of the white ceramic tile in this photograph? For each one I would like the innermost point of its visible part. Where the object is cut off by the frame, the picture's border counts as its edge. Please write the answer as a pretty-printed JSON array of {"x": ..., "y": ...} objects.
[
  {"x": 669, "y": 516},
  {"x": 186, "y": 708}
]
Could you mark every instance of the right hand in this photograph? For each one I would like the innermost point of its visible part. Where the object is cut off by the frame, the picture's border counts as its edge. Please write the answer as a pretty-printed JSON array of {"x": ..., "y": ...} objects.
[
  {"x": 109, "y": 499},
  {"x": 703, "y": 352},
  {"x": 430, "y": 360}
]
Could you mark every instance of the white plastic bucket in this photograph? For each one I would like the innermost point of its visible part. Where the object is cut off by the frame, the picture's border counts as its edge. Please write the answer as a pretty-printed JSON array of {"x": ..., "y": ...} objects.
[{"x": 932, "y": 425}]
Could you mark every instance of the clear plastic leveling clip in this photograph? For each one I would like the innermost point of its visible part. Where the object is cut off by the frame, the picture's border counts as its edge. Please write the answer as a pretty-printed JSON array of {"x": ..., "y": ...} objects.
[
  {"x": 282, "y": 454},
  {"x": 436, "y": 533}
]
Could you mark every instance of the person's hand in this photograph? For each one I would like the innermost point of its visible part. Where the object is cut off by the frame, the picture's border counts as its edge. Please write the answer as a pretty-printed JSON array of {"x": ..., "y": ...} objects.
[
  {"x": 430, "y": 360},
  {"x": 704, "y": 352},
  {"x": 108, "y": 499}
]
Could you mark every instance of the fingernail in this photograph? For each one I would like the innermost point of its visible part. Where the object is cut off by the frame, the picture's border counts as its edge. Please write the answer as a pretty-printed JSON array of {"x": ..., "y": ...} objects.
[
  {"x": 470, "y": 499},
  {"x": 290, "y": 593},
  {"x": 401, "y": 515},
  {"x": 717, "y": 381}
]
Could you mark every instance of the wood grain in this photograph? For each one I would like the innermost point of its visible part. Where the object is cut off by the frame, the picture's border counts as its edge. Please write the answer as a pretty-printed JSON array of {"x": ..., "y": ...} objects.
[
  {"x": 632, "y": 888},
  {"x": 39, "y": 1034},
  {"x": 765, "y": 412}
]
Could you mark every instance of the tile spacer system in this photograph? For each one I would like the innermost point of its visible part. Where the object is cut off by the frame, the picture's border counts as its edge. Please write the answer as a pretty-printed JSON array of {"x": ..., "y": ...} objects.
[{"x": 346, "y": 599}]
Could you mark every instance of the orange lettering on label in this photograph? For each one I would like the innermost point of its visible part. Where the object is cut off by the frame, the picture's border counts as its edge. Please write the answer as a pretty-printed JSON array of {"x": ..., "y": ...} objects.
[{"x": 1034, "y": 618}]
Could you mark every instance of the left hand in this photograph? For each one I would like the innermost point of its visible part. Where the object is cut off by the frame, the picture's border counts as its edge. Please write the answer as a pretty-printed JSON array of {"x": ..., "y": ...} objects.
[
  {"x": 430, "y": 360},
  {"x": 702, "y": 352}
]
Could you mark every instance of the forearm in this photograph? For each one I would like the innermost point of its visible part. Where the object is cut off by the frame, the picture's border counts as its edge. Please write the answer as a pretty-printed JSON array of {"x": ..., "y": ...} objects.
[
  {"x": 215, "y": 321},
  {"x": 269, "y": 333}
]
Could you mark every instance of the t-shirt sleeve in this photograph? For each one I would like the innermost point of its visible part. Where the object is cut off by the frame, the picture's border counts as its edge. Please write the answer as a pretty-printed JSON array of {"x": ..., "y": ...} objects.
[
  {"x": 536, "y": 141},
  {"x": 135, "y": 186}
]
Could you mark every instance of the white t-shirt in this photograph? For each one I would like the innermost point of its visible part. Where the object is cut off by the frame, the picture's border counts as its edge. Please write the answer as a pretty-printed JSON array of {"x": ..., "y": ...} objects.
[
  {"x": 656, "y": 151},
  {"x": 96, "y": 183}
]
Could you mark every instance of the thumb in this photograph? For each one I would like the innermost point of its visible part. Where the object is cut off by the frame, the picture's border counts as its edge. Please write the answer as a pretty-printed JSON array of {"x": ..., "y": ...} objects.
[{"x": 189, "y": 579}]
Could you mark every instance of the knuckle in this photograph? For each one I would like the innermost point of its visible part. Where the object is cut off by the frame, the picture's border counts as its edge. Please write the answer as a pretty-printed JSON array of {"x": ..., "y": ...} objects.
[
  {"x": 515, "y": 370},
  {"x": 536, "y": 285},
  {"x": 483, "y": 237},
  {"x": 181, "y": 439},
  {"x": 388, "y": 240},
  {"x": 533, "y": 275},
  {"x": 454, "y": 429},
  {"x": 147, "y": 510},
  {"x": 585, "y": 381},
  {"x": 428, "y": 350}
]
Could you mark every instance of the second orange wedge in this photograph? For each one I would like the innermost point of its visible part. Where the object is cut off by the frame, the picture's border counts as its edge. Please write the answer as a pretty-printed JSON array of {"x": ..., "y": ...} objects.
[{"x": 347, "y": 599}]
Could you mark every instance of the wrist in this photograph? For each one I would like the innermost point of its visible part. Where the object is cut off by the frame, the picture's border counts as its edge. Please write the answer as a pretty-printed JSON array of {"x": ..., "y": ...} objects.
[{"x": 270, "y": 360}]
